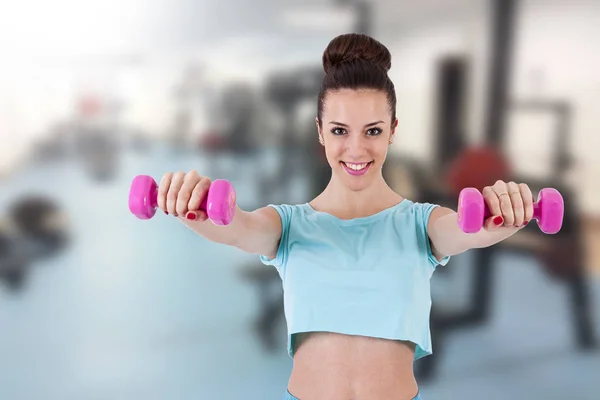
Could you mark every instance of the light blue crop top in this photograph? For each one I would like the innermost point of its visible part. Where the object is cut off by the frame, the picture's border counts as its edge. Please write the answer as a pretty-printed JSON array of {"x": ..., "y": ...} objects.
[{"x": 366, "y": 276}]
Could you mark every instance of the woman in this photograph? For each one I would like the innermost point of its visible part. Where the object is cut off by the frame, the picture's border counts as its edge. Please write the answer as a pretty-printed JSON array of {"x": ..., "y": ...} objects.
[{"x": 356, "y": 261}]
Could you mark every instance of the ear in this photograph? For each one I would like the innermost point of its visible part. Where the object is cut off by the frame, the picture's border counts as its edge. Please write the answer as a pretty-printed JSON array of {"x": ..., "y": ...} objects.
[
  {"x": 393, "y": 132},
  {"x": 319, "y": 131}
]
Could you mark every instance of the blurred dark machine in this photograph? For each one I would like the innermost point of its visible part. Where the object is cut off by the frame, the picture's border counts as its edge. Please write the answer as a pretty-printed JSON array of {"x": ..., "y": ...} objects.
[
  {"x": 90, "y": 137},
  {"x": 55, "y": 146},
  {"x": 96, "y": 141},
  {"x": 234, "y": 131},
  {"x": 237, "y": 109},
  {"x": 34, "y": 229},
  {"x": 287, "y": 90},
  {"x": 561, "y": 255},
  {"x": 98, "y": 152}
]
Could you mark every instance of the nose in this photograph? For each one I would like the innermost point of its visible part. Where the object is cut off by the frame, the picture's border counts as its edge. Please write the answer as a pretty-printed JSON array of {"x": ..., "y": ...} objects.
[{"x": 356, "y": 146}]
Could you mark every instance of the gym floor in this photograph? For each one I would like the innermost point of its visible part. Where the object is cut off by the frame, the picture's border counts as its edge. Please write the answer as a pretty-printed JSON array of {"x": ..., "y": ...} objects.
[{"x": 146, "y": 309}]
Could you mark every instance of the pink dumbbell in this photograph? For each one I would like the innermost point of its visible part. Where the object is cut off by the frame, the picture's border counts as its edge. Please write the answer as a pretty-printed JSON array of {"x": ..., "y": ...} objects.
[
  {"x": 219, "y": 203},
  {"x": 548, "y": 210}
]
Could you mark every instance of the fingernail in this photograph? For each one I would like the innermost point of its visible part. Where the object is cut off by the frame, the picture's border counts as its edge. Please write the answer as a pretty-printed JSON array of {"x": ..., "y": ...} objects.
[
  {"x": 166, "y": 213},
  {"x": 190, "y": 215},
  {"x": 498, "y": 220},
  {"x": 525, "y": 223}
]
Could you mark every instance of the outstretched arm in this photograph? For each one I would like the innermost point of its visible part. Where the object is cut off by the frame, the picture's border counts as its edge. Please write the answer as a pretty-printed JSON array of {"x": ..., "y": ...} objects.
[
  {"x": 511, "y": 207},
  {"x": 256, "y": 232}
]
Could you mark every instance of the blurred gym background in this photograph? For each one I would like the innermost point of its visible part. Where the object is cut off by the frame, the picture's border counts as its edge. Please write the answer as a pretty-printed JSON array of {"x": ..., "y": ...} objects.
[{"x": 95, "y": 304}]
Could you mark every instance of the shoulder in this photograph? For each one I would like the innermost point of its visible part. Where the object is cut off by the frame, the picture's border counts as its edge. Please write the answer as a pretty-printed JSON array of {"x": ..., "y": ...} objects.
[
  {"x": 424, "y": 215},
  {"x": 286, "y": 212},
  {"x": 429, "y": 211},
  {"x": 286, "y": 208},
  {"x": 413, "y": 209},
  {"x": 287, "y": 216}
]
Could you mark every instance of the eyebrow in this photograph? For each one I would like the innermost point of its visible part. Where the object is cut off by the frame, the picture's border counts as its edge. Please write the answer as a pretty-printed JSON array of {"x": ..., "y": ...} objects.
[{"x": 366, "y": 126}]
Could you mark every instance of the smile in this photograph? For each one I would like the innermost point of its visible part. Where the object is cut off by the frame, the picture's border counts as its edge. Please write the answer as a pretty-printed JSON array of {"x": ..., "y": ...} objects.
[{"x": 356, "y": 168}]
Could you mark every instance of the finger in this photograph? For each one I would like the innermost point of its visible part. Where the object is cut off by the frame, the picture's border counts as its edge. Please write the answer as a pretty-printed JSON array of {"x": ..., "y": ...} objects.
[
  {"x": 493, "y": 223},
  {"x": 492, "y": 201},
  {"x": 176, "y": 183},
  {"x": 163, "y": 189},
  {"x": 198, "y": 194},
  {"x": 198, "y": 216},
  {"x": 527, "y": 197},
  {"x": 517, "y": 204},
  {"x": 501, "y": 190},
  {"x": 495, "y": 220},
  {"x": 185, "y": 192}
]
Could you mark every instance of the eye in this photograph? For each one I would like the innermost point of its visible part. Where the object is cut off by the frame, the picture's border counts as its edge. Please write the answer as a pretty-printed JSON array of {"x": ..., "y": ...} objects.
[
  {"x": 338, "y": 131},
  {"x": 374, "y": 132}
]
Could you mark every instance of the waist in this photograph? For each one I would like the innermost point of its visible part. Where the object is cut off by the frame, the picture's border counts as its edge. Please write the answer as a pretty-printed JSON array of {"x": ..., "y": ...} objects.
[{"x": 336, "y": 366}]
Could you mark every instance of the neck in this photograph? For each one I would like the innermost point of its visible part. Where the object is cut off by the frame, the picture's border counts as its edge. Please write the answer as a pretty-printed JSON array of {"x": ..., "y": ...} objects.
[{"x": 344, "y": 201}]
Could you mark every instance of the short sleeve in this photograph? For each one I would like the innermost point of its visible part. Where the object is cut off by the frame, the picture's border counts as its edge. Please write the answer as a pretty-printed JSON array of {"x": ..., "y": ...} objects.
[
  {"x": 285, "y": 213},
  {"x": 423, "y": 213}
]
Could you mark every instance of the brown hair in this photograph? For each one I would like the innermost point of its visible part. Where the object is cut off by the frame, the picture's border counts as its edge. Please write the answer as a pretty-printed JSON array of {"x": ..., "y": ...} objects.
[{"x": 356, "y": 61}]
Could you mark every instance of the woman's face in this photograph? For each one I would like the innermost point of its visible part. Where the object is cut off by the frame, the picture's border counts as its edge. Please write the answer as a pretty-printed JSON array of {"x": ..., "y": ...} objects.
[{"x": 357, "y": 131}]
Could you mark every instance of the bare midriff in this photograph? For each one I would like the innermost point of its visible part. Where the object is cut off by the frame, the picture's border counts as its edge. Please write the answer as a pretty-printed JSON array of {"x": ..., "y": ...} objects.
[{"x": 343, "y": 367}]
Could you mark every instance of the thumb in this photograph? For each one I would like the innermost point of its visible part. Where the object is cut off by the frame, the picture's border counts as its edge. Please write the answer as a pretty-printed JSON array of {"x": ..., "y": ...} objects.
[
  {"x": 494, "y": 222},
  {"x": 199, "y": 216}
]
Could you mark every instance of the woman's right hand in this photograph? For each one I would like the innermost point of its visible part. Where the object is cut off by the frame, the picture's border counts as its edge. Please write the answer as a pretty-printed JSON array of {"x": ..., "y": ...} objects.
[{"x": 181, "y": 194}]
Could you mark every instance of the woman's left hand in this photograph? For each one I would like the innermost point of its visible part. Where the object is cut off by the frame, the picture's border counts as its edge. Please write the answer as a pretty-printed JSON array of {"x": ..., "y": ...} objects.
[{"x": 510, "y": 205}]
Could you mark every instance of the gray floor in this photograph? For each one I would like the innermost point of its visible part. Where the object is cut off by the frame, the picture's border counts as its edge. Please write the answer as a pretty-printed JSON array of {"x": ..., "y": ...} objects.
[{"x": 145, "y": 309}]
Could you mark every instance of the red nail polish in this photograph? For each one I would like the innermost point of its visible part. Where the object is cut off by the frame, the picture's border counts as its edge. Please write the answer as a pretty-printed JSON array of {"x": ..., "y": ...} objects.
[
  {"x": 498, "y": 220},
  {"x": 166, "y": 213},
  {"x": 525, "y": 223},
  {"x": 190, "y": 215}
]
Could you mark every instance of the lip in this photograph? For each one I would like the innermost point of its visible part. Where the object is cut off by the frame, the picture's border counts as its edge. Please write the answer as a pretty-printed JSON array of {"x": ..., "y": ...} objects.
[{"x": 354, "y": 172}]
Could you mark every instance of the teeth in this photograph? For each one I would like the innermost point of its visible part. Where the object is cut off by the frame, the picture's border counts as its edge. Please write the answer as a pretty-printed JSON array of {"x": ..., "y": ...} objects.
[{"x": 356, "y": 167}]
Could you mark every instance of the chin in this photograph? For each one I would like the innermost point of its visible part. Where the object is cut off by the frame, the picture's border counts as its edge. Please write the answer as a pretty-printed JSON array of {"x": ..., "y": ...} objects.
[{"x": 356, "y": 183}]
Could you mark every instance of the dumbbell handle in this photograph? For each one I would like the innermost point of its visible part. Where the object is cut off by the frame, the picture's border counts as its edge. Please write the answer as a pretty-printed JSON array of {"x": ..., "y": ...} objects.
[
  {"x": 153, "y": 198},
  {"x": 537, "y": 211}
]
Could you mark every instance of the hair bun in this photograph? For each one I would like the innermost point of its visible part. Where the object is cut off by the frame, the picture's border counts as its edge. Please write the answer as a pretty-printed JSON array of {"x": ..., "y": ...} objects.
[{"x": 352, "y": 47}]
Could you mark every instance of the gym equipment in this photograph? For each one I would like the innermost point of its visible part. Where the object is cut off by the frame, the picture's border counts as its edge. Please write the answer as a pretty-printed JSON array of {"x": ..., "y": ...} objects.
[
  {"x": 548, "y": 210},
  {"x": 451, "y": 90},
  {"x": 98, "y": 151},
  {"x": 477, "y": 167},
  {"x": 270, "y": 295},
  {"x": 35, "y": 228},
  {"x": 219, "y": 203},
  {"x": 40, "y": 220},
  {"x": 13, "y": 270},
  {"x": 480, "y": 171}
]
